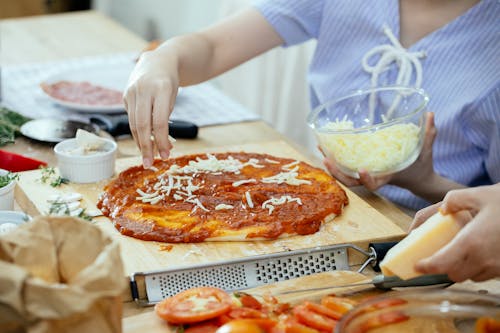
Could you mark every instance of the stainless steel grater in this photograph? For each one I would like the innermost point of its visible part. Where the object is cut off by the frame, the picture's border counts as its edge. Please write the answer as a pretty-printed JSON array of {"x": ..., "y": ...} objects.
[{"x": 243, "y": 273}]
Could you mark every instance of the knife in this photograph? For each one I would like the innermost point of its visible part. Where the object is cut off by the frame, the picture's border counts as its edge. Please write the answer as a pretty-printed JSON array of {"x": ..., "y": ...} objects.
[
  {"x": 118, "y": 125},
  {"x": 384, "y": 283}
]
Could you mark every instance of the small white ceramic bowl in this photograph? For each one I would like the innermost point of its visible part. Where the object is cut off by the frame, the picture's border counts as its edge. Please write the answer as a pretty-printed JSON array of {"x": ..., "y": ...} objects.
[
  {"x": 10, "y": 220},
  {"x": 7, "y": 193},
  {"x": 88, "y": 168}
]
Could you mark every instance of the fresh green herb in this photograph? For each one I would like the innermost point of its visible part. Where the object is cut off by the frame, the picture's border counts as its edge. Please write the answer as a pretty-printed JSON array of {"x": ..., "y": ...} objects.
[
  {"x": 10, "y": 122},
  {"x": 84, "y": 216},
  {"x": 62, "y": 209},
  {"x": 7, "y": 178},
  {"x": 49, "y": 176},
  {"x": 58, "y": 181},
  {"x": 59, "y": 208}
]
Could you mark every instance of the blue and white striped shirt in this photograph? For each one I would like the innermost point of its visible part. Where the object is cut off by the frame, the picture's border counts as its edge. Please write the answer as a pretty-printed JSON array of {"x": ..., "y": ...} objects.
[{"x": 461, "y": 74}]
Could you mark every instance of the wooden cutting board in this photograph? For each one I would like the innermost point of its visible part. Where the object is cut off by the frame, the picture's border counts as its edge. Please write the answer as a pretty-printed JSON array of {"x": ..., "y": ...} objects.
[
  {"x": 151, "y": 323},
  {"x": 359, "y": 223}
]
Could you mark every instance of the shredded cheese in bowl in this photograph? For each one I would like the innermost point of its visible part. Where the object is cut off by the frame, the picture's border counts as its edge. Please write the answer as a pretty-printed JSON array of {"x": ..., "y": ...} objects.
[{"x": 381, "y": 151}]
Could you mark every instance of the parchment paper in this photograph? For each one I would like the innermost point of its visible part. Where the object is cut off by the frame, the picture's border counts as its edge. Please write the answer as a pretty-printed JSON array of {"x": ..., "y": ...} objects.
[{"x": 60, "y": 274}]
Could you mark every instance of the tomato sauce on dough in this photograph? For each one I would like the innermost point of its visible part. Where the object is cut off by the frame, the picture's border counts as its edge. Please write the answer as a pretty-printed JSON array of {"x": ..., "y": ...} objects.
[{"x": 243, "y": 205}]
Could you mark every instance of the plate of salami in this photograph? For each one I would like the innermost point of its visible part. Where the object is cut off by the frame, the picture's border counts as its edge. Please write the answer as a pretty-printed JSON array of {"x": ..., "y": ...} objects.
[{"x": 94, "y": 89}]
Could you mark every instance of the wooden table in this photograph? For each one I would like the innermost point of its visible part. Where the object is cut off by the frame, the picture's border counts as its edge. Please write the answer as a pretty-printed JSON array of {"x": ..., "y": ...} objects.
[{"x": 61, "y": 36}]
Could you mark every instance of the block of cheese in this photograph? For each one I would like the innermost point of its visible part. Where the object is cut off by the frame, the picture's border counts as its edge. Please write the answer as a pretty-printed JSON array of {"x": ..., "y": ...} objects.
[{"x": 421, "y": 243}]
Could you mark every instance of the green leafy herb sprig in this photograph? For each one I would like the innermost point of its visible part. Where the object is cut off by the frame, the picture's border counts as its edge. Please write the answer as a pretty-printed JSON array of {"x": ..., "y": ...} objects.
[
  {"x": 49, "y": 176},
  {"x": 10, "y": 122},
  {"x": 7, "y": 178},
  {"x": 62, "y": 208}
]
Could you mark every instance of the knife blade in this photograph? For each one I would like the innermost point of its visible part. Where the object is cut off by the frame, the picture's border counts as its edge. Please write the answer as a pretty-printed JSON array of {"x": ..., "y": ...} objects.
[{"x": 384, "y": 283}]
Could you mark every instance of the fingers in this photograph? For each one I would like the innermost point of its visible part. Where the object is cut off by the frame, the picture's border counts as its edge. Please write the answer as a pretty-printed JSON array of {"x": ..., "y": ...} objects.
[
  {"x": 423, "y": 215},
  {"x": 451, "y": 259},
  {"x": 469, "y": 255},
  {"x": 340, "y": 176},
  {"x": 430, "y": 132},
  {"x": 129, "y": 101},
  {"x": 458, "y": 200},
  {"x": 143, "y": 127},
  {"x": 372, "y": 183},
  {"x": 161, "y": 113}
]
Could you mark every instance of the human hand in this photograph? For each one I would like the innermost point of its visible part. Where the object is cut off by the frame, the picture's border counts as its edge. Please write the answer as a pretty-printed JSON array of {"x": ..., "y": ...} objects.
[
  {"x": 149, "y": 99},
  {"x": 472, "y": 254},
  {"x": 416, "y": 174}
]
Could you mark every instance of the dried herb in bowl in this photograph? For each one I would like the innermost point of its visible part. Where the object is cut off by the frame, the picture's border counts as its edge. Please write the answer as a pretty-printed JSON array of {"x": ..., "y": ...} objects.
[{"x": 10, "y": 122}]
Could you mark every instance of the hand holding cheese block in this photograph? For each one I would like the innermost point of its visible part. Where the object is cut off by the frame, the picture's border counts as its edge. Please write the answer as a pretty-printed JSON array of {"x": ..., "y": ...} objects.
[
  {"x": 472, "y": 254},
  {"x": 421, "y": 243}
]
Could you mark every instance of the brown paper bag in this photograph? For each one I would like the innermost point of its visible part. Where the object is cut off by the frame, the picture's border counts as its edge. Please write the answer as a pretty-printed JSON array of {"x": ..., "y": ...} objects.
[{"x": 60, "y": 274}]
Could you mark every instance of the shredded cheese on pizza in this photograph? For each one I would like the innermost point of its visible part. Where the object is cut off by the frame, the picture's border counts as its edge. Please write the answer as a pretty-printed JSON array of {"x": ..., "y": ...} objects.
[
  {"x": 244, "y": 181},
  {"x": 271, "y": 203},
  {"x": 223, "y": 206},
  {"x": 249, "y": 199},
  {"x": 178, "y": 181},
  {"x": 289, "y": 177}
]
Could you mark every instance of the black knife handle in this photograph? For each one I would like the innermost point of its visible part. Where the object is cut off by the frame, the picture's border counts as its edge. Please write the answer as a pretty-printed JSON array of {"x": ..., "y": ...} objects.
[
  {"x": 181, "y": 129},
  {"x": 381, "y": 250},
  {"x": 386, "y": 283},
  {"x": 118, "y": 125}
]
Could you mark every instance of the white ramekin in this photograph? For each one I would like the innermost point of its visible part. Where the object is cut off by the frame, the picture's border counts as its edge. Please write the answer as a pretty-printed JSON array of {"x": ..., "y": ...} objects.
[
  {"x": 85, "y": 168},
  {"x": 7, "y": 193}
]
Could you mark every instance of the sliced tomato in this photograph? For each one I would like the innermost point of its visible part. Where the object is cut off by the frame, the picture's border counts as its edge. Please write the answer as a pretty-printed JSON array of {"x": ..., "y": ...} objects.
[
  {"x": 291, "y": 325},
  {"x": 383, "y": 319},
  {"x": 323, "y": 310},
  {"x": 341, "y": 305},
  {"x": 194, "y": 305},
  {"x": 249, "y": 301},
  {"x": 386, "y": 303},
  {"x": 272, "y": 305},
  {"x": 487, "y": 325},
  {"x": 244, "y": 312},
  {"x": 255, "y": 325},
  {"x": 308, "y": 317}
]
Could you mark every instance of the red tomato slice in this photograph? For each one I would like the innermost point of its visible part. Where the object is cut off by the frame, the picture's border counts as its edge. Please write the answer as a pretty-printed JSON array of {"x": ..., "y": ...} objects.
[
  {"x": 238, "y": 313},
  {"x": 383, "y": 319},
  {"x": 341, "y": 305},
  {"x": 291, "y": 325},
  {"x": 487, "y": 325},
  {"x": 323, "y": 310},
  {"x": 194, "y": 305},
  {"x": 249, "y": 301},
  {"x": 313, "y": 319},
  {"x": 389, "y": 302},
  {"x": 256, "y": 325}
]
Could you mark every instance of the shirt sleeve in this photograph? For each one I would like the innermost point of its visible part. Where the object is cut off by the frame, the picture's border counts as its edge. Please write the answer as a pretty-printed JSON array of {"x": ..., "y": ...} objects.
[
  {"x": 483, "y": 130},
  {"x": 296, "y": 21}
]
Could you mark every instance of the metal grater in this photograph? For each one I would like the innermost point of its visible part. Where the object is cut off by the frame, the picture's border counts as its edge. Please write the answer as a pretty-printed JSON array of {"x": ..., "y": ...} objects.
[{"x": 243, "y": 273}]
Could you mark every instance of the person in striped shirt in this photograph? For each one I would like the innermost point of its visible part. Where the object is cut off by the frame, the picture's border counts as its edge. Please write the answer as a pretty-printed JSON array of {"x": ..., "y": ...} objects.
[{"x": 452, "y": 48}]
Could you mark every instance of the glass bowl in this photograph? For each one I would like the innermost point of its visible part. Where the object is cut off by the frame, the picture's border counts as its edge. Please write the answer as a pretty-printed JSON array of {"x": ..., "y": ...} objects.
[
  {"x": 425, "y": 311},
  {"x": 380, "y": 130}
]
